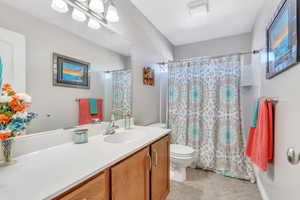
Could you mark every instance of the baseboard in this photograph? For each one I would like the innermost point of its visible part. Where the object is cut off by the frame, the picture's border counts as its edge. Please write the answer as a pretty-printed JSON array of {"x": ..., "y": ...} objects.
[{"x": 261, "y": 187}]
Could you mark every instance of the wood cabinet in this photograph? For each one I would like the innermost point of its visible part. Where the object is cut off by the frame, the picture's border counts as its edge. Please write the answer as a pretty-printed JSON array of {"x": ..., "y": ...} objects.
[
  {"x": 160, "y": 173},
  {"x": 95, "y": 188},
  {"x": 130, "y": 179},
  {"x": 142, "y": 176}
]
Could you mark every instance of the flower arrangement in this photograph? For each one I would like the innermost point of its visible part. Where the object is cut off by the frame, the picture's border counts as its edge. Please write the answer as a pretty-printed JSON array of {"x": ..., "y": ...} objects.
[{"x": 13, "y": 116}]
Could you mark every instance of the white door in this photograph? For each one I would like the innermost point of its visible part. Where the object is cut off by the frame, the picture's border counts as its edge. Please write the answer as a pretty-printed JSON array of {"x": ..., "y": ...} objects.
[{"x": 12, "y": 53}]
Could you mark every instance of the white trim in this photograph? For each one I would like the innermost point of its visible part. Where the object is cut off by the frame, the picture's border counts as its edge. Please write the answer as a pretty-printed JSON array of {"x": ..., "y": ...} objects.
[{"x": 261, "y": 187}]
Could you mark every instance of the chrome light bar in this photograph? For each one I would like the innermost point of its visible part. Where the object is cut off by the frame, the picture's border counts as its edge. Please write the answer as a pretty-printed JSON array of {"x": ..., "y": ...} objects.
[{"x": 90, "y": 13}]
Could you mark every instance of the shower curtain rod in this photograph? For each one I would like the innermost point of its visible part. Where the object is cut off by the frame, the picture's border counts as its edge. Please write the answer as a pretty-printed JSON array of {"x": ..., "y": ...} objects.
[
  {"x": 117, "y": 70},
  {"x": 257, "y": 51}
]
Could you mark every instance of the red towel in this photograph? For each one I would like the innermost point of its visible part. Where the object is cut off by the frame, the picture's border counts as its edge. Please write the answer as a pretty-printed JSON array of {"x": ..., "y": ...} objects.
[
  {"x": 260, "y": 140},
  {"x": 250, "y": 141},
  {"x": 85, "y": 116}
]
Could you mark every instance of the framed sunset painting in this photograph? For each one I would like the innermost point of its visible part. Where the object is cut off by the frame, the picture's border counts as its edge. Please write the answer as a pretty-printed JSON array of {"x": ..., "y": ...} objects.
[
  {"x": 283, "y": 38},
  {"x": 70, "y": 72}
]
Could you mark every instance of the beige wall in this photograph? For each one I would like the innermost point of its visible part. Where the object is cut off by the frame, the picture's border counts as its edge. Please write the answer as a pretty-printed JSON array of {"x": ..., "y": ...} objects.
[
  {"x": 42, "y": 40},
  {"x": 282, "y": 181}
]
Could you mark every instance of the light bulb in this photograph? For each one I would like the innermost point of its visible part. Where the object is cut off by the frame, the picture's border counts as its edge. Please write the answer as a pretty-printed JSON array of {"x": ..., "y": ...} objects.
[
  {"x": 78, "y": 15},
  {"x": 59, "y": 6},
  {"x": 112, "y": 13},
  {"x": 97, "y": 6},
  {"x": 93, "y": 24},
  {"x": 108, "y": 75}
]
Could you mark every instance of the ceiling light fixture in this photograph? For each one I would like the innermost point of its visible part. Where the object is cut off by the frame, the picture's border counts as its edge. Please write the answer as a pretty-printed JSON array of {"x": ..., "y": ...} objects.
[
  {"x": 112, "y": 13},
  {"x": 100, "y": 12},
  {"x": 59, "y": 6},
  {"x": 78, "y": 15},
  {"x": 197, "y": 7},
  {"x": 93, "y": 24},
  {"x": 97, "y": 6}
]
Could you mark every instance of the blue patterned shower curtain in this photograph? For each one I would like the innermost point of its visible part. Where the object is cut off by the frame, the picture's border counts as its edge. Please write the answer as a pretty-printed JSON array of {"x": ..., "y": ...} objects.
[
  {"x": 204, "y": 113},
  {"x": 122, "y": 93}
]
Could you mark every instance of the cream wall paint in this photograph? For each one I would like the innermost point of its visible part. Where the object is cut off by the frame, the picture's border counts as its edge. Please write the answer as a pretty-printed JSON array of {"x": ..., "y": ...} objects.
[
  {"x": 42, "y": 40},
  {"x": 282, "y": 179},
  {"x": 223, "y": 46}
]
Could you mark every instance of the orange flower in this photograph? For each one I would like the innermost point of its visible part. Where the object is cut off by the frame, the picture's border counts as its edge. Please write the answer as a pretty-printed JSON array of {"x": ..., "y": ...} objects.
[
  {"x": 15, "y": 100},
  {"x": 4, "y": 136},
  {"x": 12, "y": 93},
  {"x": 19, "y": 108},
  {"x": 6, "y": 87},
  {"x": 4, "y": 118}
]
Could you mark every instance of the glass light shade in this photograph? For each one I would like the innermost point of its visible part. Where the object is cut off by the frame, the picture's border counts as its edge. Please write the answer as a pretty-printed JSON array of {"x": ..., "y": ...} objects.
[
  {"x": 78, "y": 15},
  {"x": 107, "y": 75},
  {"x": 93, "y": 24},
  {"x": 59, "y": 6},
  {"x": 112, "y": 14},
  {"x": 97, "y": 6}
]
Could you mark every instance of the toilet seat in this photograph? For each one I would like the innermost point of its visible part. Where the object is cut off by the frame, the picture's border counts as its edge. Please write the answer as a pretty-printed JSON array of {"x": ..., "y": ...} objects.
[{"x": 181, "y": 151}]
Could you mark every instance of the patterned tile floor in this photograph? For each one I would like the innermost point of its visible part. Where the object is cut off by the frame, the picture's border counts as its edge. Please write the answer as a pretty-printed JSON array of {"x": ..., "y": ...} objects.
[{"x": 203, "y": 185}]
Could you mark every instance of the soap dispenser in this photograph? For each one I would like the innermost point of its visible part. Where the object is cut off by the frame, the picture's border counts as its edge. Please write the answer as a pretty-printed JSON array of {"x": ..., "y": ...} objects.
[{"x": 127, "y": 121}]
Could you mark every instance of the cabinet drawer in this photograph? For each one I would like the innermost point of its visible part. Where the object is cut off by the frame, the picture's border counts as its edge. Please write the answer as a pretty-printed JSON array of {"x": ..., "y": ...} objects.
[{"x": 93, "y": 189}]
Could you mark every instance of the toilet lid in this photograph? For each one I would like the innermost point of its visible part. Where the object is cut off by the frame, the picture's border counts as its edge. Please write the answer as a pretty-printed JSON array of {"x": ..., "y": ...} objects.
[{"x": 178, "y": 150}]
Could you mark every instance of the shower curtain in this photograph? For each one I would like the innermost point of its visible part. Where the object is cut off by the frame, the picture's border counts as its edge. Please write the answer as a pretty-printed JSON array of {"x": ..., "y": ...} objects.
[
  {"x": 121, "y": 93},
  {"x": 204, "y": 113}
]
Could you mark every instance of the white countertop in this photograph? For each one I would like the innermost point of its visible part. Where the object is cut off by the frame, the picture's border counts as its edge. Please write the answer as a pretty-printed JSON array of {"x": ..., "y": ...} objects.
[{"x": 47, "y": 173}]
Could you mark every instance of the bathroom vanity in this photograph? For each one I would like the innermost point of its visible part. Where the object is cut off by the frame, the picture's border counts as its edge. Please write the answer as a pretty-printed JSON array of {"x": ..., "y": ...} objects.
[
  {"x": 142, "y": 176},
  {"x": 131, "y": 168}
]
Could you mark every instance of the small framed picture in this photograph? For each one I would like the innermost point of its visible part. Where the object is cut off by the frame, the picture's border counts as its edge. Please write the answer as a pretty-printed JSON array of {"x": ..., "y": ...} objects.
[
  {"x": 70, "y": 72},
  {"x": 148, "y": 76}
]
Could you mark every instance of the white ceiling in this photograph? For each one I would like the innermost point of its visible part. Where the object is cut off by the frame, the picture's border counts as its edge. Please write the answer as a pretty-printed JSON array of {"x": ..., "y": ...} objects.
[
  {"x": 115, "y": 40},
  {"x": 226, "y": 18}
]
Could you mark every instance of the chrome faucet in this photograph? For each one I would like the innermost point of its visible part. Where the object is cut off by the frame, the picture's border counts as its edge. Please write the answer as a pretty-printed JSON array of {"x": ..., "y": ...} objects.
[
  {"x": 111, "y": 128},
  {"x": 96, "y": 121}
]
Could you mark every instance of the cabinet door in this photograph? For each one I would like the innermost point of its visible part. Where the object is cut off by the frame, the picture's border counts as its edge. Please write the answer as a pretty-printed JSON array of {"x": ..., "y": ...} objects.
[
  {"x": 160, "y": 174},
  {"x": 130, "y": 179},
  {"x": 94, "y": 189}
]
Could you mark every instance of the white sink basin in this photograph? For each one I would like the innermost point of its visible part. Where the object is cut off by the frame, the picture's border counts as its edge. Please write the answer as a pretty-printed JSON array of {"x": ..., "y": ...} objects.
[{"x": 122, "y": 137}]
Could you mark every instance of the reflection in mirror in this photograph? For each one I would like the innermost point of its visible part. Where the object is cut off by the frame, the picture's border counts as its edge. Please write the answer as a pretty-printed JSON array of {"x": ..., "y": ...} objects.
[
  {"x": 58, "y": 105},
  {"x": 118, "y": 94}
]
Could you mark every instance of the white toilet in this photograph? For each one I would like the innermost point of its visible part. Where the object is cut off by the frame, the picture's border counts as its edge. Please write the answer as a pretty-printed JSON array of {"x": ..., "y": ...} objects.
[{"x": 181, "y": 157}]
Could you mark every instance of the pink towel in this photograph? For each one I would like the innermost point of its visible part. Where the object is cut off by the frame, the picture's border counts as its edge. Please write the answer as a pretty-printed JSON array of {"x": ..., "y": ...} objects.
[
  {"x": 260, "y": 141},
  {"x": 84, "y": 111}
]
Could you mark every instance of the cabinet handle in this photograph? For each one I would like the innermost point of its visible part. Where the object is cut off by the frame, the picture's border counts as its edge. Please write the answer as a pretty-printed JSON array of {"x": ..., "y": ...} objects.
[
  {"x": 150, "y": 161},
  {"x": 154, "y": 152}
]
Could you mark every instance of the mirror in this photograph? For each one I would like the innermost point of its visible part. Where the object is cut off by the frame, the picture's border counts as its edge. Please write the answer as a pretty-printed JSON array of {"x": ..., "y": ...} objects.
[
  {"x": 118, "y": 94},
  {"x": 56, "y": 68},
  {"x": 114, "y": 88}
]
